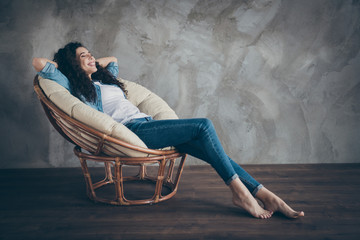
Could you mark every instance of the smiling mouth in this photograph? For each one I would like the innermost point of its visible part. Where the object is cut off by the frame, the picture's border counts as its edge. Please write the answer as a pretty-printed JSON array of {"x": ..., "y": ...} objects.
[{"x": 92, "y": 64}]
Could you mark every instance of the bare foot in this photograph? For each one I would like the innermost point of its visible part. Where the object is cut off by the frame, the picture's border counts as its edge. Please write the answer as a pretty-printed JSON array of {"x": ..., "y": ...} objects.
[
  {"x": 273, "y": 203},
  {"x": 251, "y": 206},
  {"x": 243, "y": 198}
]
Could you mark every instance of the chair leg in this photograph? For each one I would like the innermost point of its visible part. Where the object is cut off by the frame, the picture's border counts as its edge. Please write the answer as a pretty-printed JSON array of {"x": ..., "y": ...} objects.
[
  {"x": 119, "y": 184},
  {"x": 142, "y": 172},
  {"x": 159, "y": 181},
  {"x": 108, "y": 173},
  {"x": 170, "y": 172},
  {"x": 179, "y": 172},
  {"x": 89, "y": 186}
]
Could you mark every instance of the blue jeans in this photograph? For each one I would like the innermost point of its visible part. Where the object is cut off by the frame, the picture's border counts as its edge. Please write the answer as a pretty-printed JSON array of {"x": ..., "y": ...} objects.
[{"x": 196, "y": 137}]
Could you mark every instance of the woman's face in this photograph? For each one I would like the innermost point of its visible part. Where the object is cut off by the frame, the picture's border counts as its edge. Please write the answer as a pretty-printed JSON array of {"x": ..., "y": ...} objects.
[{"x": 86, "y": 60}]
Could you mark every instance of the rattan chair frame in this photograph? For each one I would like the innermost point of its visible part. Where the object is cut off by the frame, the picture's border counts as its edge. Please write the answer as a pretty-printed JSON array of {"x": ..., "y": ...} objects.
[{"x": 114, "y": 165}]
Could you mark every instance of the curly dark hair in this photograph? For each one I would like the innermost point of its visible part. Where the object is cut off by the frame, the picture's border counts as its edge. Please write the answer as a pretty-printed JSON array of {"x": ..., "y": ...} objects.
[{"x": 80, "y": 83}]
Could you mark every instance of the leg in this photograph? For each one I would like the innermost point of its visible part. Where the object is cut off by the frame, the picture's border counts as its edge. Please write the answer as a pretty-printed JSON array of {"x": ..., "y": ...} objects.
[
  {"x": 240, "y": 189},
  {"x": 250, "y": 183},
  {"x": 197, "y": 137}
]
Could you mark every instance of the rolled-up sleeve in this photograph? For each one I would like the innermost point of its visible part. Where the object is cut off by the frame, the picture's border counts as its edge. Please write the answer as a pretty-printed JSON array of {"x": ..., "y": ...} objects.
[
  {"x": 52, "y": 73},
  {"x": 113, "y": 67}
]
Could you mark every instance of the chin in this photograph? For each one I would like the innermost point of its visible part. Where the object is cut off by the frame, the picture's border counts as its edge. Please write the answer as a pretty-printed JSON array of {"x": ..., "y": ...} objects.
[{"x": 93, "y": 71}]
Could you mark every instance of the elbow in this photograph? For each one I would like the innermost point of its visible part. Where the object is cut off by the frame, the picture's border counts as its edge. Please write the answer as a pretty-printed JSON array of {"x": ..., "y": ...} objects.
[
  {"x": 38, "y": 64},
  {"x": 114, "y": 59},
  {"x": 35, "y": 62}
]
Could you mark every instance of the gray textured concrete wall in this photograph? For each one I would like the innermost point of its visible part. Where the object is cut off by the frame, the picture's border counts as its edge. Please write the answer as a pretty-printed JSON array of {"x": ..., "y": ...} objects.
[{"x": 279, "y": 79}]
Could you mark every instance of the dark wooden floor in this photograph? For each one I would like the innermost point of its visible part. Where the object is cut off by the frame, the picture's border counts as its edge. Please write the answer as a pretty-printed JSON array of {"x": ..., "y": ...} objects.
[{"x": 52, "y": 204}]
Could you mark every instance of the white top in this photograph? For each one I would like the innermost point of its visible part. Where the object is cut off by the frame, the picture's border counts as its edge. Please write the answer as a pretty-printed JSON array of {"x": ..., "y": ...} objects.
[{"x": 116, "y": 105}]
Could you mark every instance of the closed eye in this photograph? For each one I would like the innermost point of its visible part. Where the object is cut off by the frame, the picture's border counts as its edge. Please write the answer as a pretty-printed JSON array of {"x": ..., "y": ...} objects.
[{"x": 83, "y": 54}]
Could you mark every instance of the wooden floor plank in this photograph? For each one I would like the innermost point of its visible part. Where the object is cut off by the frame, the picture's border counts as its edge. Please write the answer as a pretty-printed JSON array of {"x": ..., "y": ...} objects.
[{"x": 52, "y": 204}]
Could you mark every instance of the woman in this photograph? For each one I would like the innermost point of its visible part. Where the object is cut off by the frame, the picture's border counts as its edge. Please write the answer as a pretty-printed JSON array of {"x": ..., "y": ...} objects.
[{"x": 94, "y": 82}]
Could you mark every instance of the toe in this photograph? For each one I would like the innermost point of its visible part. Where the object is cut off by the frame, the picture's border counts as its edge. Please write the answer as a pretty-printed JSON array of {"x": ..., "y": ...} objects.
[{"x": 300, "y": 214}]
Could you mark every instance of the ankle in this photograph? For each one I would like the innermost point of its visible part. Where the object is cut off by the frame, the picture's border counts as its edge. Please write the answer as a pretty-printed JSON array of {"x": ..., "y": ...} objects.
[
  {"x": 237, "y": 186},
  {"x": 266, "y": 195}
]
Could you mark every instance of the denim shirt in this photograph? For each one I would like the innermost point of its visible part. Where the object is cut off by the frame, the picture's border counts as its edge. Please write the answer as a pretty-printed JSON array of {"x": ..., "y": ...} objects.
[{"x": 52, "y": 73}]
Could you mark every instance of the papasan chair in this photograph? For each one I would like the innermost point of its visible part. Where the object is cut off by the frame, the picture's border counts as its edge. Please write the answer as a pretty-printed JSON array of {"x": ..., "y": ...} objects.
[{"x": 98, "y": 138}]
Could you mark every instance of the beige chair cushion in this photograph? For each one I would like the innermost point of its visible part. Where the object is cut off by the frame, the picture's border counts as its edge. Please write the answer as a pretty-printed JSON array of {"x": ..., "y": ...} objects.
[
  {"x": 141, "y": 97},
  {"x": 148, "y": 102}
]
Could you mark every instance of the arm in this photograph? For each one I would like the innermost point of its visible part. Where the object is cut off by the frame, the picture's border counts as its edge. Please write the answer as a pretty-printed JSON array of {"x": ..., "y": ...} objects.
[
  {"x": 106, "y": 60},
  {"x": 49, "y": 70},
  {"x": 39, "y": 63}
]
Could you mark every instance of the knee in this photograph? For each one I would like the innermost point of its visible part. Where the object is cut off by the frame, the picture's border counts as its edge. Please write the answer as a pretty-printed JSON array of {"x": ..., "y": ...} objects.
[{"x": 206, "y": 123}]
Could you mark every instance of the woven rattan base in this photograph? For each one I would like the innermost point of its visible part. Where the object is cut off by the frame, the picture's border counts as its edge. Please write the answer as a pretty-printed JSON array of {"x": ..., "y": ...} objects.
[{"x": 166, "y": 177}]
